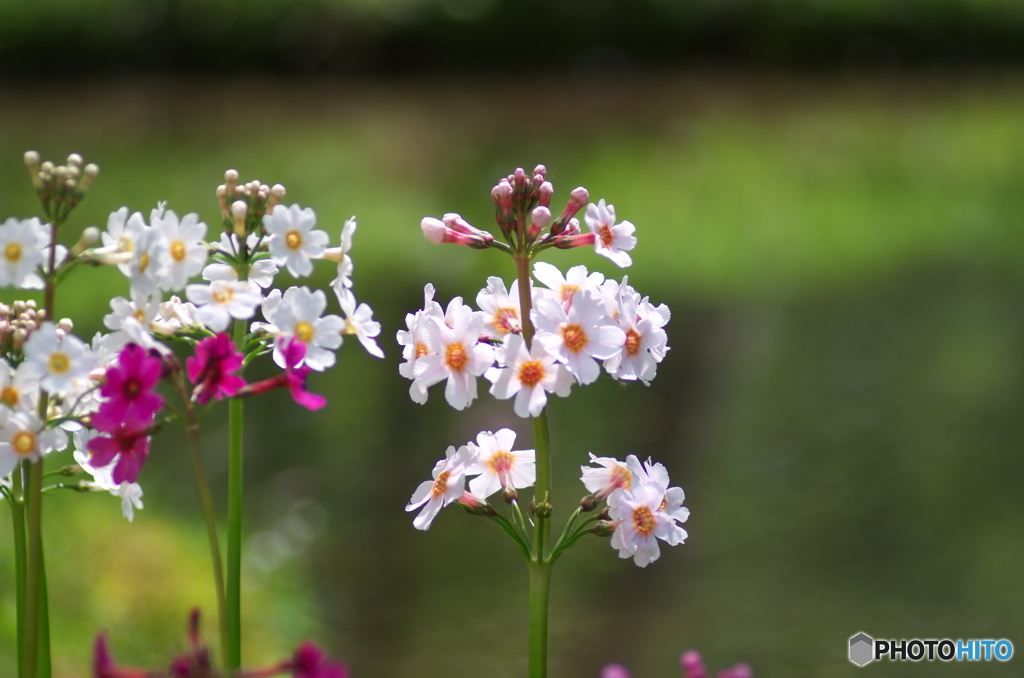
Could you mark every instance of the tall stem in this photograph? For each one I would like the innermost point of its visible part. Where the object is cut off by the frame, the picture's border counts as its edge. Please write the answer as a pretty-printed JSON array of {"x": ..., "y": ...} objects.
[
  {"x": 33, "y": 573},
  {"x": 233, "y": 594},
  {"x": 540, "y": 586},
  {"x": 20, "y": 560},
  {"x": 192, "y": 429}
]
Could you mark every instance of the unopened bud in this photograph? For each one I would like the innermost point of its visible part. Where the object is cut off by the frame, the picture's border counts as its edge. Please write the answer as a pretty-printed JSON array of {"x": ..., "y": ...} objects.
[
  {"x": 603, "y": 528},
  {"x": 89, "y": 236},
  {"x": 230, "y": 181},
  {"x": 69, "y": 470},
  {"x": 605, "y": 514},
  {"x": 222, "y": 202},
  {"x": 65, "y": 324},
  {"x": 18, "y": 338},
  {"x": 540, "y": 218},
  {"x": 276, "y": 197},
  {"x": 433, "y": 230},
  {"x": 577, "y": 199},
  {"x": 589, "y": 502},
  {"x": 92, "y": 170},
  {"x": 543, "y": 509},
  {"x": 519, "y": 178},
  {"x": 74, "y": 160},
  {"x": 509, "y": 494},
  {"x": 541, "y": 170},
  {"x": 544, "y": 193},
  {"x": 239, "y": 210}
]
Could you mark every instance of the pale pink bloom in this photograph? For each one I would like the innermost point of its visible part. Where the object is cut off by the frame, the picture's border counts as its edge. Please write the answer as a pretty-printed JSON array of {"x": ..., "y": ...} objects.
[
  {"x": 654, "y": 476},
  {"x": 610, "y": 475},
  {"x": 565, "y": 287},
  {"x": 500, "y": 307},
  {"x": 459, "y": 356},
  {"x": 529, "y": 375},
  {"x": 644, "y": 342},
  {"x": 415, "y": 341},
  {"x": 579, "y": 337},
  {"x": 448, "y": 485},
  {"x": 640, "y": 521},
  {"x": 358, "y": 320},
  {"x": 499, "y": 466},
  {"x": 611, "y": 240}
]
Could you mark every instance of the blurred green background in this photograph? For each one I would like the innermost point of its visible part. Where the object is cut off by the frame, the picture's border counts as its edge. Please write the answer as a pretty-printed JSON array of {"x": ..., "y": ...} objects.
[{"x": 835, "y": 224}]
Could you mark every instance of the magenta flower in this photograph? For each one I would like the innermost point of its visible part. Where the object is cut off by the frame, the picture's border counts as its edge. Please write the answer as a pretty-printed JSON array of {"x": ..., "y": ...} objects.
[
  {"x": 309, "y": 662},
  {"x": 131, "y": 443},
  {"x": 128, "y": 389},
  {"x": 216, "y": 357},
  {"x": 103, "y": 664},
  {"x": 294, "y": 378},
  {"x": 692, "y": 665}
]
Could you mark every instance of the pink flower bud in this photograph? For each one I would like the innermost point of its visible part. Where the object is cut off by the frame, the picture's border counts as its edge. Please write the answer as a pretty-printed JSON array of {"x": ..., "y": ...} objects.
[
  {"x": 614, "y": 671},
  {"x": 693, "y": 666},
  {"x": 433, "y": 230},
  {"x": 457, "y": 223},
  {"x": 541, "y": 217},
  {"x": 502, "y": 195},
  {"x": 544, "y": 193},
  {"x": 565, "y": 242},
  {"x": 573, "y": 228}
]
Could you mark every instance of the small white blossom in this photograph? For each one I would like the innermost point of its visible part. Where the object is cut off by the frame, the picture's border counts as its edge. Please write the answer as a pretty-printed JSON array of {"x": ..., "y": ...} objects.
[
  {"x": 529, "y": 375},
  {"x": 23, "y": 247},
  {"x": 415, "y": 341},
  {"x": 500, "y": 307},
  {"x": 59, "y": 362},
  {"x": 220, "y": 301},
  {"x": 149, "y": 260},
  {"x": 186, "y": 251},
  {"x": 565, "y": 287},
  {"x": 119, "y": 239},
  {"x": 23, "y": 437},
  {"x": 293, "y": 242},
  {"x": 499, "y": 466},
  {"x": 458, "y": 356},
  {"x": 359, "y": 321},
  {"x": 610, "y": 239},
  {"x": 448, "y": 484},
  {"x": 19, "y": 388},
  {"x": 644, "y": 342},
  {"x": 610, "y": 475},
  {"x": 640, "y": 522},
  {"x": 298, "y": 314},
  {"x": 579, "y": 337}
]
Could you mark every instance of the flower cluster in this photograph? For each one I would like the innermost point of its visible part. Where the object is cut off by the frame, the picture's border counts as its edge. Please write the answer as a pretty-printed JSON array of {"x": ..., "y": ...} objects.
[
  {"x": 583, "y": 322},
  {"x": 494, "y": 463}
]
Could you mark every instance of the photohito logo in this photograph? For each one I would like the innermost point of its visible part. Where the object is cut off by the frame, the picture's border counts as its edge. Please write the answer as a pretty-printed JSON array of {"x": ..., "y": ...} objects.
[{"x": 864, "y": 649}]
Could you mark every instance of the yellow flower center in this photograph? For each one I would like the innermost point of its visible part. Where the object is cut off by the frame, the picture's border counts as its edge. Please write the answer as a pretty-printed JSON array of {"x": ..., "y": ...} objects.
[
  {"x": 59, "y": 362},
  {"x": 575, "y": 337},
  {"x": 506, "y": 320},
  {"x": 567, "y": 292},
  {"x": 441, "y": 484},
  {"x": 143, "y": 262},
  {"x": 125, "y": 244},
  {"x": 293, "y": 239},
  {"x": 222, "y": 295},
  {"x": 12, "y": 252},
  {"x": 621, "y": 477},
  {"x": 643, "y": 520},
  {"x": 178, "y": 250},
  {"x": 531, "y": 372},
  {"x": 10, "y": 396},
  {"x": 455, "y": 357},
  {"x": 500, "y": 463},
  {"x": 605, "y": 233},
  {"x": 140, "y": 315},
  {"x": 421, "y": 350},
  {"x": 23, "y": 443},
  {"x": 304, "y": 332},
  {"x": 632, "y": 341}
]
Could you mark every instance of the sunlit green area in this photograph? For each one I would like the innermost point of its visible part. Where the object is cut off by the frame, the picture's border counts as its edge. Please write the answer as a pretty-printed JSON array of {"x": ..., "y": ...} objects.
[{"x": 843, "y": 260}]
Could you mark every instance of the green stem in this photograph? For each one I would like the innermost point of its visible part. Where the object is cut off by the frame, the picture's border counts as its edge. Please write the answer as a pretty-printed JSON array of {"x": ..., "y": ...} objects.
[
  {"x": 20, "y": 562},
  {"x": 44, "y": 618},
  {"x": 233, "y": 594},
  {"x": 540, "y": 586},
  {"x": 192, "y": 429},
  {"x": 33, "y": 574}
]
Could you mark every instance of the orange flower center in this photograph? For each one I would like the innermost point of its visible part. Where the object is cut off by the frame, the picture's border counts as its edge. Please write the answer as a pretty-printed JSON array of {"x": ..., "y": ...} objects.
[
  {"x": 441, "y": 484},
  {"x": 531, "y": 372},
  {"x": 574, "y": 336},
  {"x": 500, "y": 463},
  {"x": 503, "y": 320},
  {"x": 10, "y": 396},
  {"x": 605, "y": 233},
  {"x": 143, "y": 262},
  {"x": 643, "y": 520},
  {"x": 293, "y": 239},
  {"x": 59, "y": 363},
  {"x": 632, "y": 341},
  {"x": 567, "y": 292},
  {"x": 455, "y": 357},
  {"x": 664, "y": 503},
  {"x": 621, "y": 477},
  {"x": 12, "y": 252},
  {"x": 23, "y": 443},
  {"x": 421, "y": 350},
  {"x": 178, "y": 250},
  {"x": 222, "y": 295},
  {"x": 304, "y": 332}
]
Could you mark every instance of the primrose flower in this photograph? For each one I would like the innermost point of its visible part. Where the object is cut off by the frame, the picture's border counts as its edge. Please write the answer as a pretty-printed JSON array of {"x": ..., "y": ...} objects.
[
  {"x": 220, "y": 301},
  {"x": 644, "y": 342},
  {"x": 128, "y": 389},
  {"x": 499, "y": 466},
  {"x": 23, "y": 437},
  {"x": 612, "y": 475},
  {"x": 210, "y": 370},
  {"x": 565, "y": 287},
  {"x": 119, "y": 239},
  {"x": 59, "y": 361},
  {"x": 578, "y": 337},
  {"x": 640, "y": 521},
  {"x": 611, "y": 240},
  {"x": 293, "y": 242},
  {"x": 342, "y": 284},
  {"x": 143, "y": 307},
  {"x": 23, "y": 247},
  {"x": 310, "y": 662},
  {"x": 19, "y": 388},
  {"x": 359, "y": 321},
  {"x": 501, "y": 307},
  {"x": 415, "y": 341},
  {"x": 529, "y": 376},
  {"x": 186, "y": 251},
  {"x": 693, "y": 667},
  {"x": 459, "y": 357},
  {"x": 448, "y": 485},
  {"x": 298, "y": 314},
  {"x": 128, "y": 444},
  {"x": 149, "y": 260}
]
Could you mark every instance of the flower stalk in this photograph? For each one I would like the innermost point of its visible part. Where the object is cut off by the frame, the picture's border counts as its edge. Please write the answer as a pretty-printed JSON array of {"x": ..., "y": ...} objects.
[{"x": 233, "y": 592}]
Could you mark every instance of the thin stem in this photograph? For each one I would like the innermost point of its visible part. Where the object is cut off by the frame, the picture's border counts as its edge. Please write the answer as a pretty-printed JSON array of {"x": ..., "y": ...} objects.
[
  {"x": 233, "y": 594},
  {"x": 44, "y": 618},
  {"x": 192, "y": 431},
  {"x": 20, "y": 560},
  {"x": 542, "y": 446},
  {"x": 540, "y": 586},
  {"x": 33, "y": 574}
]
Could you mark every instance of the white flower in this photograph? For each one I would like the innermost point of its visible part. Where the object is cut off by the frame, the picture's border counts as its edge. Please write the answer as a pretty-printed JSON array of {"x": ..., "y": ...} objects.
[
  {"x": 529, "y": 375},
  {"x": 297, "y": 314},
  {"x": 23, "y": 437},
  {"x": 448, "y": 484},
  {"x": 415, "y": 341},
  {"x": 566, "y": 287},
  {"x": 149, "y": 260},
  {"x": 458, "y": 357},
  {"x": 644, "y": 342},
  {"x": 343, "y": 282},
  {"x": 500, "y": 307},
  {"x": 359, "y": 321},
  {"x": 293, "y": 242},
  {"x": 177, "y": 313},
  {"x": 19, "y": 388},
  {"x": 220, "y": 301},
  {"x": 58, "y": 361},
  {"x": 654, "y": 476},
  {"x": 23, "y": 247},
  {"x": 612, "y": 475},
  {"x": 578, "y": 337},
  {"x": 499, "y": 466},
  {"x": 610, "y": 239},
  {"x": 186, "y": 251},
  {"x": 640, "y": 522},
  {"x": 143, "y": 307},
  {"x": 120, "y": 237}
]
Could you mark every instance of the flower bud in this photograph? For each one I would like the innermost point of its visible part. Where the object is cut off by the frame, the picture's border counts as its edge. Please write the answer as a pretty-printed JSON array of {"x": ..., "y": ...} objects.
[
  {"x": 65, "y": 324},
  {"x": 543, "y": 509},
  {"x": 230, "y": 181},
  {"x": 92, "y": 170},
  {"x": 89, "y": 236},
  {"x": 433, "y": 230},
  {"x": 540, "y": 218},
  {"x": 239, "y": 210},
  {"x": 577, "y": 199},
  {"x": 74, "y": 160},
  {"x": 603, "y": 528},
  {"x": 589, "y": 503},
  {"x": 509, "y": 494},
  {"x": 544, "y": 193}
]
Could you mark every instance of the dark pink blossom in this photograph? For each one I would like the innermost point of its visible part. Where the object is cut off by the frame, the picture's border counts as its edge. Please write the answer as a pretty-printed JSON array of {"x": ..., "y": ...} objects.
[
  {"x": 128, "y": 389},
  {"x": 310, "y": 662},
  {"x": 131, "y": 443},
  {"x": 693, "y": 667},
  {"x": 216, "y": 357},
  {"x": 294, "y": 378},
  {"x": 103, "y": 664}
]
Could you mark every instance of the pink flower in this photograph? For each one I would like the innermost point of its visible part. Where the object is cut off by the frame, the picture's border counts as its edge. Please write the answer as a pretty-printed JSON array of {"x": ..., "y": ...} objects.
[
  {"x": 131, "y": 443},
  {"x": 309, "y": 662},
  {"x": 216, "y": 357},
  {"x": 294, "y": 378},
  {"x": 128, "y": 390},
  {"x": 693, "y": 667},
  {"x": 103, "y": 664}
]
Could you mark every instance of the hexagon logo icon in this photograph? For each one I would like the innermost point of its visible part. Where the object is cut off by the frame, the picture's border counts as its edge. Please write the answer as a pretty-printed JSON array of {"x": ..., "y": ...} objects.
[{"x": 862, "y": 649}]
